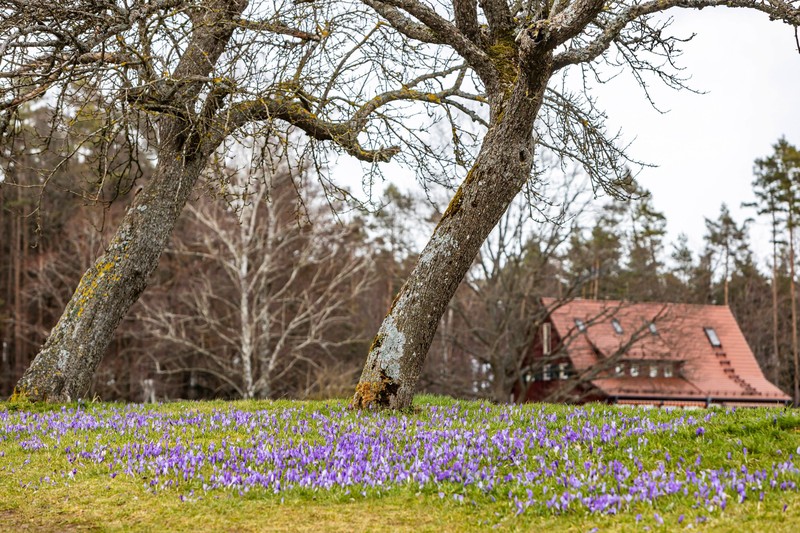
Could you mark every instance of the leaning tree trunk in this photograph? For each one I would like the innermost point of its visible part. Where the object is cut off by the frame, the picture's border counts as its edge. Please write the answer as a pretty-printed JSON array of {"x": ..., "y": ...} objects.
[
  {"x": 63, "y": 369},
  {"x": 500, "y": 171}
]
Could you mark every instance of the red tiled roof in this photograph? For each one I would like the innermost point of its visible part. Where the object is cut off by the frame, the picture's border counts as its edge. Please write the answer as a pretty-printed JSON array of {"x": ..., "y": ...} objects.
[
  {"x": 638, "y": 386},
  {"x": 727, "y": 372}
]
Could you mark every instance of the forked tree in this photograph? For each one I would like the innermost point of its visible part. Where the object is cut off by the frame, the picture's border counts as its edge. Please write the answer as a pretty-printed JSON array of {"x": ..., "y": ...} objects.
[{"x": 185, "y": 76}]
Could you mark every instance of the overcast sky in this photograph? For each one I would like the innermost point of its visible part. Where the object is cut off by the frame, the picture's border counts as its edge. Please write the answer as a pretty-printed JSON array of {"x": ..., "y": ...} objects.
[{"x": 706, "y": 144}]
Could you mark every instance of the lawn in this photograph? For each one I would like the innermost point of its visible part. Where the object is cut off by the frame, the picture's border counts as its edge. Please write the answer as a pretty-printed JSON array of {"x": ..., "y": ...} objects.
[{"x": 444, "y": 466}]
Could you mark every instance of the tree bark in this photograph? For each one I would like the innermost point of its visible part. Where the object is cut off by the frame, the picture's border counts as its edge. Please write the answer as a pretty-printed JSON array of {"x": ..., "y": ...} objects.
[
  {"x": 503, "y": 166},
  {"x": 793, "y": 296},
  {"x": 18, "y": 259},
  {"x": 776, "y": 360},
  {"x": 63, "y": 369}
]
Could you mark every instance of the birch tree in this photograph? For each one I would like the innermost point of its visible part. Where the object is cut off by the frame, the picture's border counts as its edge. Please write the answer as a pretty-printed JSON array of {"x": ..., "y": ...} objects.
[{"x": 272, "y": 292}]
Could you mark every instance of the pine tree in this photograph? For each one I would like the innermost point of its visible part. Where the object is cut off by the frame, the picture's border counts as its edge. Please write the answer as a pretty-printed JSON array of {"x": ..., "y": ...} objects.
[
  {"x": 725, "y": 241},
  {"x": 645, "y": 247},
  {"x": 777, "y": 186}
]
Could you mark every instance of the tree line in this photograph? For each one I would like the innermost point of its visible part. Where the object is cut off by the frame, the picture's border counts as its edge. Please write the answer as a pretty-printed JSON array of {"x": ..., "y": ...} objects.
[{"x": 267, "y": 289}]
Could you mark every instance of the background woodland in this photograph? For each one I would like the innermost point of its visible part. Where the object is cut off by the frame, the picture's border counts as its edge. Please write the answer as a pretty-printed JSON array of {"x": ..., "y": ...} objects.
[{"x": 273, "y": 288}]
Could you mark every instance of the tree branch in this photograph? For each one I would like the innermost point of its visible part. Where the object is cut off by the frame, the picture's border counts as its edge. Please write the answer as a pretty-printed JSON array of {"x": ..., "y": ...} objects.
[
  {"x": 498, "y": 16},
  {"x": 446, "y": 33},
  {"x": 466, "y": 16},
  {"x": 776, "y": 9},
  {"x": 275, "y": 27},
  {"x": 343, "y": 134},
  {"x": 404, "y": 25}
]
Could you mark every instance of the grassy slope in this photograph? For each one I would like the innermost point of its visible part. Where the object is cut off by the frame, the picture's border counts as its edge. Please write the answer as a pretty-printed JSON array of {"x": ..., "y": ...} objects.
[{"x": 93, "y": 501}]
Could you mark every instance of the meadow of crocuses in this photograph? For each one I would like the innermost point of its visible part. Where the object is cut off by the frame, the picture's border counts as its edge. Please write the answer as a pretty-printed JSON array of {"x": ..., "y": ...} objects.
[{"x": 508, "y": 466}]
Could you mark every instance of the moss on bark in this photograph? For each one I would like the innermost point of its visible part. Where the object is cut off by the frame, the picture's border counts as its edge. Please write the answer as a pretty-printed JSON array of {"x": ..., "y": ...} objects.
[{"x": 375, "y": 394}]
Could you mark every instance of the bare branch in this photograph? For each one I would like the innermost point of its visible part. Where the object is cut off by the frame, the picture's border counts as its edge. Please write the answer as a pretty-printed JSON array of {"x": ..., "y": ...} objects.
[
  {"x": 778, "y": 9},
  {"x": 297, "y": 115},
  {"x": 465, "y": 13},
  {"x": 275, "y": 27},
  {"x": 447, "y": 33},
  {"x": 404, "y": 25}
]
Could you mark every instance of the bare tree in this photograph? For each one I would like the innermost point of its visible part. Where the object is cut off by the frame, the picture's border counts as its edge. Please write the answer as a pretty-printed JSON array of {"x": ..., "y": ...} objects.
[
  {"x": 177, "y": 78},
  {"x": 48, "y": 245},
  {"x": 496, "y": 313},
  {"x": 515, "y": 51},
  {"x": 272, "y": 288}
]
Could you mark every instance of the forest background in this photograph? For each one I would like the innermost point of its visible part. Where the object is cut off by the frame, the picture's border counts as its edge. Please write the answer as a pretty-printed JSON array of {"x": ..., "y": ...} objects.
[{"x": 271, "y": 288}]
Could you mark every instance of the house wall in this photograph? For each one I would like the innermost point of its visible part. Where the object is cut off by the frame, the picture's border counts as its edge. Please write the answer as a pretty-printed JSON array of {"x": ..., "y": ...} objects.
[{"x": 554, "y": 389}]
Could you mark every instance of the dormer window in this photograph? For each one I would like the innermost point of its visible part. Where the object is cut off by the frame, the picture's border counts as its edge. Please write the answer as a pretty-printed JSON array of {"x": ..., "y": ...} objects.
[
  {"x": 617, "y": 326},
  {"x": 668, "y": 370},
  {"x": 580, "y": 325},
  {"x": 712, "y": 337},
  {"x": 653, "y": 329},
  {"x": 634, "y": 370}
]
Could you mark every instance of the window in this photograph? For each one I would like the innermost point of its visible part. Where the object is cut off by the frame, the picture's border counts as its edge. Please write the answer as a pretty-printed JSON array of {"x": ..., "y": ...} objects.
[
  {"x": 653, "y": 371},
  {"x": 546, "y": 373},
  {"x": 617, "y": 326},
  {"x": 562, "y": 371},
  {"x": 619, "y": 370},
  {"x": 653, "y": 329},
  {"x": 634, "y": 370},
  {"x": 668, "y": 370},
  {"x": 546, "y": 338},
  {"x": 712, "y": 337},
  {"x": 580, "y": 325}
]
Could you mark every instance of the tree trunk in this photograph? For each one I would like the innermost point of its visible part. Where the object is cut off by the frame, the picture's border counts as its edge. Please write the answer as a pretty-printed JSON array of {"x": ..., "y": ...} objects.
[
  {"x": 793, "y": 296},
  {"x": 19, "y": 228},
  {"x": 245, "y": 323},
  {"x": 500, "y": 171},
  {"x": 776, "y": 360},
  {"x": 63, "y": 369}
]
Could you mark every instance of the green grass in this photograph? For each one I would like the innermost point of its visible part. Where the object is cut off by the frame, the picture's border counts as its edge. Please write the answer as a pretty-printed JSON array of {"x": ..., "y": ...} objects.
[{"x": 93, "y": 501}]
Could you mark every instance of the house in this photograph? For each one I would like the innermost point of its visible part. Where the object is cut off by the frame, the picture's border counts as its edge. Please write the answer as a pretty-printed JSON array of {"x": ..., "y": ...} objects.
[{"x": 643, "y": 353}]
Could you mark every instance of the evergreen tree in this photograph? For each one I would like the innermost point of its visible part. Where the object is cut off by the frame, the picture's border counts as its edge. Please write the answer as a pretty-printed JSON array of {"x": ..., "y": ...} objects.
[
  {"x": 594, "y": 260},
  {"x": 725, "y": 242},
  {"x": 777, "y": 185},
  {"x": 678, "y": 280},
  {"x": 643, "y": 271}
]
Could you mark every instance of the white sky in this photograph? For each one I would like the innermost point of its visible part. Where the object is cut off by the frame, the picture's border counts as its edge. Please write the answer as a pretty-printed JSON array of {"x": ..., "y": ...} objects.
[{"x": 706, "y": 144}]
